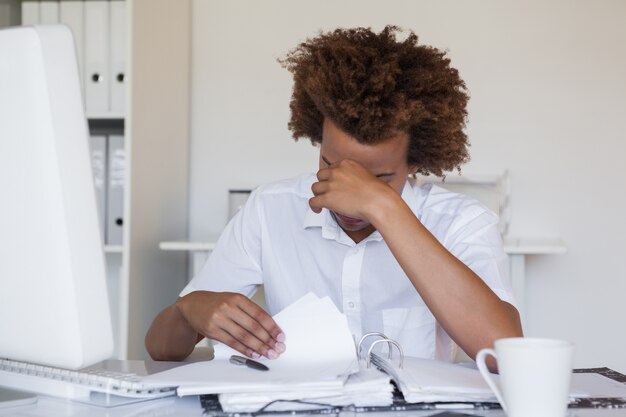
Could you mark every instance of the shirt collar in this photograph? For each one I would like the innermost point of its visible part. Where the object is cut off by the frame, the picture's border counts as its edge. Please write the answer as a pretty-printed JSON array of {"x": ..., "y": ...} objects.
[
  {"x": 325, "y": 221},
  {"x": 331, "y": 230},
  {"x": 313, "y": 219}
]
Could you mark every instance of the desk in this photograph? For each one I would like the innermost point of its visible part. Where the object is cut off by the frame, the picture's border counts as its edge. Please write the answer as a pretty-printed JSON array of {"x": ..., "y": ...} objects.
[
  {"x": 190, "y": 407},
  {"x": 517, "y": 249}
]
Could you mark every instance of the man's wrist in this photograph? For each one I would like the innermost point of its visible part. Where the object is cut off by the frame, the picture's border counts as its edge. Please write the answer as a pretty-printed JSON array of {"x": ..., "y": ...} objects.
[{"x": 384, "y": 208}]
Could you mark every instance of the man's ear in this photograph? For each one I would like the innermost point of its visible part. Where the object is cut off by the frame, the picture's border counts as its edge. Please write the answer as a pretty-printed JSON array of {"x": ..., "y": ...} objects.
[{"x": 412, "y": 170}]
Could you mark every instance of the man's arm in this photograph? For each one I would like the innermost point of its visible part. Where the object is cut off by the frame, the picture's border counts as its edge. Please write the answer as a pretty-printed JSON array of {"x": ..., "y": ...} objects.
[
  {"x": 460, "y": 301},
  {"x": 470, "y": 312},
  {"x": 230, "y": 318},
  {"x": 170, "y": 337}
]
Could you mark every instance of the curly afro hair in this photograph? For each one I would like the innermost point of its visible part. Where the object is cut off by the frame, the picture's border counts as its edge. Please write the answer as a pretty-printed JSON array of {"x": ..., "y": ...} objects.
[{"x": 374, "y": 87}]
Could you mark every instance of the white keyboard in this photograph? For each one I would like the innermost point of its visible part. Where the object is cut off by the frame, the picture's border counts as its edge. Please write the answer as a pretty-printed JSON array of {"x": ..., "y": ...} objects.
[{"x": 76, "y": 385}]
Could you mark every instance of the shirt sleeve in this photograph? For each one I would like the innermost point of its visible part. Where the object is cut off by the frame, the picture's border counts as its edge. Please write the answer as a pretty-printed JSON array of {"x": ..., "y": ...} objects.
[
  {"x": 235, "y": 263},
  {"x": 474, "y": 238}
]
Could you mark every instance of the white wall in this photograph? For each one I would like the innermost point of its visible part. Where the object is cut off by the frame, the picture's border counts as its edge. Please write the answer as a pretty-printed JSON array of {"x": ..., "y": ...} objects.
[{"x": 548, "y": 86}]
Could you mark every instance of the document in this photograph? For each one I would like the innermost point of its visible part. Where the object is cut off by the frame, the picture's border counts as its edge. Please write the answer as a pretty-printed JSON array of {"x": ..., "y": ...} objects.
[
  {"x": 368, "y": 387},
  {"x": 320, "y": 367},
  {"x": 320, "y": 370},
  {"x": 596, "y": 385},
  {"x": 426, "y": 380},
  {"x": 320, "y": 355}
]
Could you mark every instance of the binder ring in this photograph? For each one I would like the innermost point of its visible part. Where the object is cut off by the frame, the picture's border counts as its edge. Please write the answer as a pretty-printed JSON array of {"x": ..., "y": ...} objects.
[
  {"x": 390, "y": 342},
  {"x": 372, "y": 334}
]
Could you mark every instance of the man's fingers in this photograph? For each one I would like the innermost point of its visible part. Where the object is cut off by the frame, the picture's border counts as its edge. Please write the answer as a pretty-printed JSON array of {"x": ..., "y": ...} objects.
[
  {"x": 252, "y": 326},
  {"x": 216, "y": 314},
  {"x": 315, "y": 209},
  {"x": 257, "y": 321},
  {"x": 319, "y": 187},
  {"x": 226, "y": 338},
  {"x": 249, "y": 339},
  {"x": 324, "y": 174},
  {"x": 316, "y": 204}
]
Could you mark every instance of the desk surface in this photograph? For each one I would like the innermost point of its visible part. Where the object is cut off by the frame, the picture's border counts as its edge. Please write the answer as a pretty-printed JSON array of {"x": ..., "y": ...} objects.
[{"x": 190, "y": 406}]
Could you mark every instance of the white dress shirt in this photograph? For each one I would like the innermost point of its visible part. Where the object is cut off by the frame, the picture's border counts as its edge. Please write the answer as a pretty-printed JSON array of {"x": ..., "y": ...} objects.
[{"x": 278, "y": 241}]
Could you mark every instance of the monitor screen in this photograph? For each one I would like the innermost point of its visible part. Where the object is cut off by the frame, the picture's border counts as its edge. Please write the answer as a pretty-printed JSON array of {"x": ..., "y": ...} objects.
[{"x": 54, "y": 308}]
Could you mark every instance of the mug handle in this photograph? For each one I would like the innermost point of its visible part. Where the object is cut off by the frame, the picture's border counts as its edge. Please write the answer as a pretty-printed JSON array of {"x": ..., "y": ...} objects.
[{"x": 484, "y": 371}]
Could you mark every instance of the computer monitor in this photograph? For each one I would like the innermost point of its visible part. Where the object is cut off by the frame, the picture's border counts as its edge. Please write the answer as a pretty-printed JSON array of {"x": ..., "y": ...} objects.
[{"x": 54, "y": 307}]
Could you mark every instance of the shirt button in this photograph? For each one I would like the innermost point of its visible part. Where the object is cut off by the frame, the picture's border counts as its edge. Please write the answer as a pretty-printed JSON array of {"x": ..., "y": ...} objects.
[
  {"x": 351, "y": 304},
  {"x": 356, "y": 250}
]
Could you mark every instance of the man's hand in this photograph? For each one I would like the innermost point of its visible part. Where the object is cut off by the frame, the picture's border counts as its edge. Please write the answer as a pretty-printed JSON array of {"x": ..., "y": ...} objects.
[
  {"x": 234, "y": 320},
  {"x": 348, "y": 188}
]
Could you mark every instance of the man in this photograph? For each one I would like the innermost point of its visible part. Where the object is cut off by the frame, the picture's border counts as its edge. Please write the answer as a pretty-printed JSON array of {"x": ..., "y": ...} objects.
[{"x": 420, "y": 264}]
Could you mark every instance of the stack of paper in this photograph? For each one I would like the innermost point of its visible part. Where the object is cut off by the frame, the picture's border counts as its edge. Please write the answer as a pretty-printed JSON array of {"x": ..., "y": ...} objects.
[
  {"x": 316, "y": 366},
  {"x": 366, "y": 388},
  {"x": 425, "y": 380}
]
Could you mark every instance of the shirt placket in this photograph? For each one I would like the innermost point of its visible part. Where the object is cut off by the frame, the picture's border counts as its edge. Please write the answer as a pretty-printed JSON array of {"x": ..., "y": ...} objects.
[{"x": 350, "y": 284}]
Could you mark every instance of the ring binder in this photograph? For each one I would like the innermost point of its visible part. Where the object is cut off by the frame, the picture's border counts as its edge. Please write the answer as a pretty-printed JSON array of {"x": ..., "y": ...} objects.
[
  {"x": 390, "y": 342},
  {"x": 383, "y": 338},
  {"x": 365, "y": 336}
]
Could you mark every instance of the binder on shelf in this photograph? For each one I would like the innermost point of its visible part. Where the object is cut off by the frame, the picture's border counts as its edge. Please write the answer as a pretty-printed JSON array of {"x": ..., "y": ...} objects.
[
  {"x": 98, "y": 146},
  {"x": 96, "y": 57},
  {"x": 116, "y": 174},
  {"x": 48, "y": 12},
  {"x": 71, "y": 14},
  {"x": 30, "y": 13},
  {"x": 117, "y": 69},
  {"x": 99, "y": 30}
]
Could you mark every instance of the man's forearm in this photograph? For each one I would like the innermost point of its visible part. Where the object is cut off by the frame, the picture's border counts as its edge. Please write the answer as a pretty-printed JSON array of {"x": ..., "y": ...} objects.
[
  {"x": 170, "y": 337},
  {"x": 462, "y": 303}
]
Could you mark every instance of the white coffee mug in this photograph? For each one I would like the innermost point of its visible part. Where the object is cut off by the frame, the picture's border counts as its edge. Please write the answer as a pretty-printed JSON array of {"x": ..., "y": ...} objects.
[{"x": 534, "y": 373}]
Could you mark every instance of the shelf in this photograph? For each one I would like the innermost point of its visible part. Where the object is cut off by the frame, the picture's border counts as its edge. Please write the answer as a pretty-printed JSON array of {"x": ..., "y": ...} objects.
[
  {"x": 534, "y": 246},
  {"x": 512, "y": 246},
  {"x": 105, "y": 116},
  {"x": 473, "y": 178},
  {"x": 106, "y": 126},
  {"x": 188, "y": 246},
  {"x": 113, "y": 248}
]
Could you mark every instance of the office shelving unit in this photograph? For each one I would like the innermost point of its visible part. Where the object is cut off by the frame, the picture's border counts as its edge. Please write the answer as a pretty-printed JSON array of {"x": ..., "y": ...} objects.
[{"x": 142, "y": 280}]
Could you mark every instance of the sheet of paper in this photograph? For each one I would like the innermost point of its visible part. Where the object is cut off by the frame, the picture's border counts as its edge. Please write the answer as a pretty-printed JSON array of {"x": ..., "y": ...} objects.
[
  {"x": 318, "y": 340},
  {"x": 425, "y": 380},
  {"x": 595, "y": 385},
  {"x": 320, "y": 354},
  {"x": 368, "y": 387}
]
